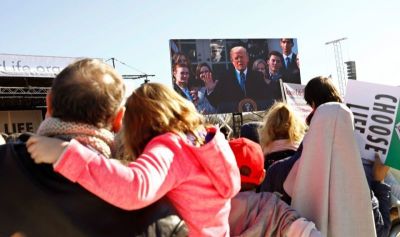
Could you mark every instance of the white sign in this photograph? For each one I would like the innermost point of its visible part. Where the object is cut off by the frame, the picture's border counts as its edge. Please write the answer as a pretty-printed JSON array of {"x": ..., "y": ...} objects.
[
  {"x": 12, "y": 65},
  {"x": 294, "y": 94},
  {"x": 20, "y": 121},
  {"x": 376, "y": 120}
]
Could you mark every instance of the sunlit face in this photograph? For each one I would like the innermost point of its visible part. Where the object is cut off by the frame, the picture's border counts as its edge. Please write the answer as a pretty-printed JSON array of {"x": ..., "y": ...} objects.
[
  {"x": 261, "y": 68},
  {"x": 274, "y": 64},
  {"x": 239, "y": 59},
  {"x": 203, "y": 71},
  {"x": 181, "y": 75},
  {"x": 286, "y": 46}
]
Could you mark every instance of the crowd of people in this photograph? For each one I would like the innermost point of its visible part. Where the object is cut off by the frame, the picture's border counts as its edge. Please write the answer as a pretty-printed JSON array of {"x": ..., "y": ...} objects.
[
  {"x": 243, "y": 87},
  {"x": 152, "y": 166}
]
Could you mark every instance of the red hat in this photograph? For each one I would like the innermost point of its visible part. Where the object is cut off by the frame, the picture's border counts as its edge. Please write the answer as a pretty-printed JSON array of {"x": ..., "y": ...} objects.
[{"x": 249, "y": 158}]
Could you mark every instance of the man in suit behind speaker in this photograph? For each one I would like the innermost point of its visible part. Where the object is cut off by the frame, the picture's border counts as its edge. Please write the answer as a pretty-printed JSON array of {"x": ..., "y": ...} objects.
[{"x": 291, "y": 71}]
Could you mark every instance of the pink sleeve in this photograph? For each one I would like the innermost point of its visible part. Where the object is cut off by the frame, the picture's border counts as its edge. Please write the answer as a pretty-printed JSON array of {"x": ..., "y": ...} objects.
[{"x": 129, "y": 187}]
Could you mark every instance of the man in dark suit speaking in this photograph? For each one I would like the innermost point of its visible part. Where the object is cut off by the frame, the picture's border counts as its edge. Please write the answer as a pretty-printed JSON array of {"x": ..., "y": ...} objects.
[{"x": 241, "y": 90}]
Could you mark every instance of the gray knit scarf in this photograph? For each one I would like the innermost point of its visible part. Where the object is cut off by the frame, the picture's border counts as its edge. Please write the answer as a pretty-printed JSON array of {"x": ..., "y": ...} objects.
[{"x": 100, "y": 139}]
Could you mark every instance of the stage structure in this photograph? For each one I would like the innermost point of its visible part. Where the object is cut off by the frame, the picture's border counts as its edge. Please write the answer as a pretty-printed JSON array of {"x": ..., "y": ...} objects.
[
  {"x": 24, "y": 83},
  {"x": 143, "y": 75},
  {"x": 341, "y": 75}
]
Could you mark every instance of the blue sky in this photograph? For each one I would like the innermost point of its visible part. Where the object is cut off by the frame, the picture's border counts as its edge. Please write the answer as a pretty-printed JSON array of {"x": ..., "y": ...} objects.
[{"x": 137, "y": 32}]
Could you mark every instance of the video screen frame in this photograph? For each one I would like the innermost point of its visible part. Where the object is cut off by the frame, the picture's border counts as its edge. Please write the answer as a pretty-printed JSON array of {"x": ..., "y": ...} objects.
[{"x": 225, "y": 92}]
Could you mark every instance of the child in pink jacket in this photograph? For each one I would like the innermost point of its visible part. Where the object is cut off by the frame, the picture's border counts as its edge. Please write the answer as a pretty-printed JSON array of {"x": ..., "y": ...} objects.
[{"x": 175, "y": 155}]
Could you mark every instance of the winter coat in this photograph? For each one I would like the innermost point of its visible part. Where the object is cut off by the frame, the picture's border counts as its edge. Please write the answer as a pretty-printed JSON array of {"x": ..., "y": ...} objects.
[
  {"x": 36, "y": 201},
  {"x": 199, "y": 181}
]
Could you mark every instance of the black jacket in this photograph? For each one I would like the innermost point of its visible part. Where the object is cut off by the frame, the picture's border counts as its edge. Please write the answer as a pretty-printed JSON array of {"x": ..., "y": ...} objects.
[
  {"x": 381, "y": 203},
  {"x": 277, "y": 174},
  {"x": 291, "y": 74},
  {"x": 36, "y": 201}
]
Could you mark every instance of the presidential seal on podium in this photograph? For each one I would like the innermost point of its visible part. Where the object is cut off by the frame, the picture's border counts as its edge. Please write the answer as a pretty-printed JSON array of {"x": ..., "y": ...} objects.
[{"x": 247, "y": 105}]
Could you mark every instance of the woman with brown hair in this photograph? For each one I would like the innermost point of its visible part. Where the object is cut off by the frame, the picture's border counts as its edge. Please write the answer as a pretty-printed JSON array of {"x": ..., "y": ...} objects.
[
  {"x": 318, "y": 91},
  {"x": 205, "y": 80}
]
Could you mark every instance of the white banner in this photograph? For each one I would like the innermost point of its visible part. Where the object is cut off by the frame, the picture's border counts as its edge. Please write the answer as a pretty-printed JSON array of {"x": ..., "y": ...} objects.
[
  {"x": 294, "y": 94},
  {"x": 12, "y": 65},
  {"x": 376, "y": 120},
  {"x": 20, "y": 121}
]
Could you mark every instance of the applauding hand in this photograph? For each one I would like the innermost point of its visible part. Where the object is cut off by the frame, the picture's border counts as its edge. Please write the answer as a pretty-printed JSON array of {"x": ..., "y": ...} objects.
[{"x": 209, "y": 82}]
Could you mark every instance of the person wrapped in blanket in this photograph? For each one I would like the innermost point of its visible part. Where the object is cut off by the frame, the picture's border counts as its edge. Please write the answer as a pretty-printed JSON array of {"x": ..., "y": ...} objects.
[{"x": 325, "y": 141}]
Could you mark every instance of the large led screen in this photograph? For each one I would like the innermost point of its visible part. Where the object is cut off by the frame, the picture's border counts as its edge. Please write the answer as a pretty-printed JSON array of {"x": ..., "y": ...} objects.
[{"x": 233, "y": 75}]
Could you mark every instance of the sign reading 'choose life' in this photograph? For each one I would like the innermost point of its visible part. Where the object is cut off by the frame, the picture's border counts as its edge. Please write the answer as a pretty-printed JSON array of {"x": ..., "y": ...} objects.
[{"x": 376, "y": 120}]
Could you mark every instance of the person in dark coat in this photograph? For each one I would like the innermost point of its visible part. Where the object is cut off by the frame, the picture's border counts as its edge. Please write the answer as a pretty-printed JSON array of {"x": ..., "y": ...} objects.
[{"x": 36, "y": 201}]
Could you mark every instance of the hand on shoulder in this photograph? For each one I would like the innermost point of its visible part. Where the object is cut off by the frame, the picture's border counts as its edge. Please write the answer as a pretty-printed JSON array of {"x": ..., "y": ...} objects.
[{"x": 45, "y": 149}]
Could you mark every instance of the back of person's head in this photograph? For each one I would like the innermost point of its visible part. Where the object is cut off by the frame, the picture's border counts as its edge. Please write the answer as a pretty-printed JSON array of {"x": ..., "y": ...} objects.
[
  {"x": 154, "y": 109},
  {"x": 281, "y": 122},
  {"x": 87, "y": 91},
  {"x": 320, "y": 90},
  {"x": 226, "y": 131},
  {"x": 250, "y": 160},
  {"x": 250, "y": 131}
]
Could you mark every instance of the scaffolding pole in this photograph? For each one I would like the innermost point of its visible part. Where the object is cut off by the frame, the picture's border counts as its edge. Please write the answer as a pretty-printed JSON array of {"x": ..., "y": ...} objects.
[{"x": 341, "y": 76}]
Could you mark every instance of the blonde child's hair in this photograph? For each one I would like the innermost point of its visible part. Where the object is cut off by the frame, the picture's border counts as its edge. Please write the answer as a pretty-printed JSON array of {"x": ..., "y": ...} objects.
[
  {"x": 154, "y": 109},
  {"x": 281, "y": 122}
]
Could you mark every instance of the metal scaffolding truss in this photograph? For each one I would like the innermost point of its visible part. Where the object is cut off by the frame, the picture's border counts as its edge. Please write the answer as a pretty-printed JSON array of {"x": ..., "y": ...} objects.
[
  {"x": 341, "y": 76},
  {"x": 23, "y": 91}
]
